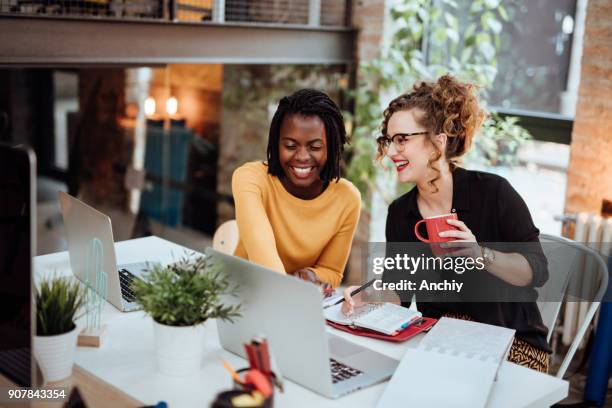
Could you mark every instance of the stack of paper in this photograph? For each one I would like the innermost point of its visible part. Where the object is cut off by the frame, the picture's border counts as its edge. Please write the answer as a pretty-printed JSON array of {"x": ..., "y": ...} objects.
[{"x": 454, "y": 366}]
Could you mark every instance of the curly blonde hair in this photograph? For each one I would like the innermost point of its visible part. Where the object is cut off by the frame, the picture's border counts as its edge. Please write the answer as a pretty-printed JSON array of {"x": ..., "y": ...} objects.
[{"x": 446, "y": 106}]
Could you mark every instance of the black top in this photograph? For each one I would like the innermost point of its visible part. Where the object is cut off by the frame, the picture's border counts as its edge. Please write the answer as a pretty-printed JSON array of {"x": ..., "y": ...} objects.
[{"x": 494, "y": 212}]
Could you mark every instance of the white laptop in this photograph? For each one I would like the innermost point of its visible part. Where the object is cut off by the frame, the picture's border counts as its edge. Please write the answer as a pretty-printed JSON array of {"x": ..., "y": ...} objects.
[
  {"x": 84, "y": 223},
  {"x": 289, "y": 313}
]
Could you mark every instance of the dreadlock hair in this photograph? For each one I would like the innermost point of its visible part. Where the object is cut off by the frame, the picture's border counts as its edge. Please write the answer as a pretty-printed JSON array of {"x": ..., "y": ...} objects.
[{"x": 310, "y": 102}]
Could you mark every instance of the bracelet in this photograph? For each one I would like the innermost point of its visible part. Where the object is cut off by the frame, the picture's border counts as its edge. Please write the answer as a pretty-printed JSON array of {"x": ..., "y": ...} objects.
[{"x": 487, "y": 254}]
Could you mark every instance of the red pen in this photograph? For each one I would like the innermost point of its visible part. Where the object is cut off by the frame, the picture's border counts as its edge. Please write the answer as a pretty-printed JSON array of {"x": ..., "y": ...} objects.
[
  {"x": 250, "y": 351},
  {"x": 265, "y": 356},
  {"x": 257, "y": 353}
]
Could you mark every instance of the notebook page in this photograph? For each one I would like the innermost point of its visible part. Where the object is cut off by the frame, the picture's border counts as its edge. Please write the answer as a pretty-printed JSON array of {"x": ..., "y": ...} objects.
[
  {"x": 331, "y": 299},
  {"x": 335, "y": 314},
  {"x": 471, "y": 339},
  {"x": 388, "y": 318}
]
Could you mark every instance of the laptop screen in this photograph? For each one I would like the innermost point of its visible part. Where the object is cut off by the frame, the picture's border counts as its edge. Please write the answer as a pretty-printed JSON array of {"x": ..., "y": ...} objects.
[{"x": 17, "y": 246}]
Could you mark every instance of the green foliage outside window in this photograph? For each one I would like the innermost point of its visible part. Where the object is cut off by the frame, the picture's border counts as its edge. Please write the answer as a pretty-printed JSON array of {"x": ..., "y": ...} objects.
[{"x": 431, "y": 38}]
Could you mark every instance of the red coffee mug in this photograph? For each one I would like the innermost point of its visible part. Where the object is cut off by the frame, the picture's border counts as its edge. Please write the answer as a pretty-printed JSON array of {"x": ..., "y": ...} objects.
[{"x": 434, "y": 226}]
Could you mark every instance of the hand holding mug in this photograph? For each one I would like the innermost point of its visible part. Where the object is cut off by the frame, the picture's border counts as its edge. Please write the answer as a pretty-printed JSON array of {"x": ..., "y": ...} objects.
[
  {"x": 435, "y": 227},
  {"x": 461, "y": 239}
]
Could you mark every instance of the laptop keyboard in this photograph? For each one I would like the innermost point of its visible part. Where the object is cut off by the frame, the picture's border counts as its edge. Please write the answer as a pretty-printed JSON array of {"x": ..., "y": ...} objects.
[
  {"x": 126, "y": 278},
  {"x": 341, "y": 372}
]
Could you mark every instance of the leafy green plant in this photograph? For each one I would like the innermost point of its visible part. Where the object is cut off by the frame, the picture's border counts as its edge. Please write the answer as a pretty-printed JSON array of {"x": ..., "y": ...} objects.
[
  {"x": 185, "y": 293},
  {"x": 503, "y": 138},
  {"x": 431, "y": 38},
  {"x": 57, "y": 302}
]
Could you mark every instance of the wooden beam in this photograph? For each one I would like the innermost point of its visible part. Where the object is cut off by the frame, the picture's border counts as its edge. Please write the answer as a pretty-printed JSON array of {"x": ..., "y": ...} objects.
[{"x": 71, "y": 42}]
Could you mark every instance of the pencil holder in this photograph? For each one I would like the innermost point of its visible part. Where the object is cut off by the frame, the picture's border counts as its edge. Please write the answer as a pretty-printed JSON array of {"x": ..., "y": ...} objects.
[
  {"x": 224, "y": 399},
  {"x": 268, "y": 402}
]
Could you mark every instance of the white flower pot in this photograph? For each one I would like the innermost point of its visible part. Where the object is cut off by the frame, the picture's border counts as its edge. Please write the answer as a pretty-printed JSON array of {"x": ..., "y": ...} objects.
[
  {"x": 55, "y": 354},
  {"x": 178, "y": 349}
]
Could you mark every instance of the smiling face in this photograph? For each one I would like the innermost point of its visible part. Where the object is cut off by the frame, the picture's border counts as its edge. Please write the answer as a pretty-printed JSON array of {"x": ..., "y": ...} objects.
[
  {"x": 411, "y": 162},
  {"x": 302, "y": 152}
]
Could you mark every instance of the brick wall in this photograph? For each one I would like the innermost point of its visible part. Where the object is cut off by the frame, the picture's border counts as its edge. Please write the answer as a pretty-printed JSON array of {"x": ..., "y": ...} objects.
[
  {"x": 368, "y": 17},
  {"x": 100, "y": 145},
  {"x": 590, "y": 168}
]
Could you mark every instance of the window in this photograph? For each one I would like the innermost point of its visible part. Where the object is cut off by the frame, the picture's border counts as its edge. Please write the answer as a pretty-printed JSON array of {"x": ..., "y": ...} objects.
[{"x": 534, "y": 57}]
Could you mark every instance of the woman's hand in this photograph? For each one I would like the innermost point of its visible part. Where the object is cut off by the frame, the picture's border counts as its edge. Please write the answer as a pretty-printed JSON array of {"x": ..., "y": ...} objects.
[
  {"x": 510, "y": 267},
  {"x": 466, "y": 244},
  {"x": 464, "y": 234},
  {"x": 351, "y": 302},
  {"x": 308, "y": 275}
]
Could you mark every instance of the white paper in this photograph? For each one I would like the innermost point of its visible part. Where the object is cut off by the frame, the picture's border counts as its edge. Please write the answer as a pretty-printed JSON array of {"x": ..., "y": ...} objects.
[
  {"x": 330, "y": 300},
  {"x": 471, "y": 339},
  {"x": 433, "y": 380},
  {"x": 453, "y": 366}
]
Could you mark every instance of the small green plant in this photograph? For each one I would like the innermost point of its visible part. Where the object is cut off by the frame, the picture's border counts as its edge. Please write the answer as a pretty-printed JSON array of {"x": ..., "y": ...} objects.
[
  {"x": 185, "y": 293},
  {"x": 57, "y": 302}
]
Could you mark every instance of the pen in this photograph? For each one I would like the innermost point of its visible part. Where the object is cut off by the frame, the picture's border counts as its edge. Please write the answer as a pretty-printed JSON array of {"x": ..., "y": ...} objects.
[
  {"x": 353, "y": 293},
  {"x": 233, "y": 372}
]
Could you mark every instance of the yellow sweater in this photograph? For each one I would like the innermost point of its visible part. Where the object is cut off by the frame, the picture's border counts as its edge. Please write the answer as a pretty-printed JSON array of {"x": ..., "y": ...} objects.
[{"x": 285, "y": 233}]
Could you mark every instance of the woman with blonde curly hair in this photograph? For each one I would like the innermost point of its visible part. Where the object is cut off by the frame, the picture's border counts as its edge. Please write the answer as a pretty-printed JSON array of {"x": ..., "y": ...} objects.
[{"x": 425, "y": 132}]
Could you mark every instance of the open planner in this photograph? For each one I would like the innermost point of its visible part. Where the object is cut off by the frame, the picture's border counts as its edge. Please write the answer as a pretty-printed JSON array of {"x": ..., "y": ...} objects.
[
  {"x": 386, "y": 318},
  {"x": 457, "y": 356}
]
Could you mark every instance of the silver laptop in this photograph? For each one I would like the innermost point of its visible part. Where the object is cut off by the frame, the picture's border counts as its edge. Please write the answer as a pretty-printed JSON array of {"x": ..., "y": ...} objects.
[
  {"x": 84, "y": 223},
  {"x": 288, "y": 312}
]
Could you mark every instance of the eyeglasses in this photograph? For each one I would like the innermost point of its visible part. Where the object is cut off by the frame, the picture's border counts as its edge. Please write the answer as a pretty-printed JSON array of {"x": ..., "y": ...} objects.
[{"x": 398, "y": 140}]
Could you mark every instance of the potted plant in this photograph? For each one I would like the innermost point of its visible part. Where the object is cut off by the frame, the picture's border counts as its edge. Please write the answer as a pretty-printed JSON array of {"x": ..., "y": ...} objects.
[
  {"x": 180, "y": 298},
  {"x": 57, "y": 302}
]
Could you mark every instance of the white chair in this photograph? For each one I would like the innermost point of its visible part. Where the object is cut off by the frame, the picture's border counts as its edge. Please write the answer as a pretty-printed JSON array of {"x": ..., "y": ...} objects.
[
  {"x": 226, "y": 237},
  {"x": 568, "y": 260}
]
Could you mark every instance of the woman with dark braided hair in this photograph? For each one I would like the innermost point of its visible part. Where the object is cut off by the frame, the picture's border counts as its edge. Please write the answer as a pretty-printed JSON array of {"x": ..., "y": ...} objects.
[
  {"x": 425, "y": 132},
  {"x": 295, "y": 214}
]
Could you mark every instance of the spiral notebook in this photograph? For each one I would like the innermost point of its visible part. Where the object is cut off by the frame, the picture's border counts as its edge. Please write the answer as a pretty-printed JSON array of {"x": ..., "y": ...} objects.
[
  {"x": 457, "y": 356},
  {"x": 387, "y": 318}
]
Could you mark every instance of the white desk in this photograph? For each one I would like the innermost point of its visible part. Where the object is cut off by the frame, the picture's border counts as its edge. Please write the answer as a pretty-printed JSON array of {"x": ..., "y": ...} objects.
[{"x": 126, "y": 359}]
